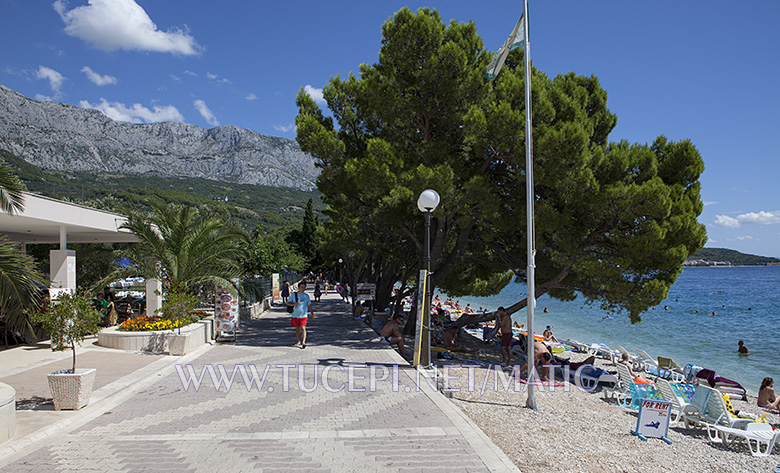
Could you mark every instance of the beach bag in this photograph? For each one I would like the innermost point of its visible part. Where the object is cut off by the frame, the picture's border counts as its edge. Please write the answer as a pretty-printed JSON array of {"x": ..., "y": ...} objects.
[{"x": 290, "y": 308}]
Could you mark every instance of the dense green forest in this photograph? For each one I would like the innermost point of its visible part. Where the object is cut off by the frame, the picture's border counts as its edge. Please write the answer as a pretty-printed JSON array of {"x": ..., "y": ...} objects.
[
  {"x": 731, "y": 256},
  {"x": 249, "y": 205}
]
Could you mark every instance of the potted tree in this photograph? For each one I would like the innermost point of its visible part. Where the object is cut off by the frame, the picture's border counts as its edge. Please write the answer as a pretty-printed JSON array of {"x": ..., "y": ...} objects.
[
  {"x": 68, "y": 320},
  {"x": 177, "y": 307}
]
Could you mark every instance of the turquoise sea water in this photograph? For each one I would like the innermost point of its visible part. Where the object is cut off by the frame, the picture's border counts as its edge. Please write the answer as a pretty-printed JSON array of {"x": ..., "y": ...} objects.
[{"x": 677, "y": 332}]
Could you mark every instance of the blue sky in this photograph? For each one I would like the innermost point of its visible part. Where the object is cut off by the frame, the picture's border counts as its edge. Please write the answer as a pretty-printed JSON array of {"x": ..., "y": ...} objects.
[{"x": 704, "y": 70}]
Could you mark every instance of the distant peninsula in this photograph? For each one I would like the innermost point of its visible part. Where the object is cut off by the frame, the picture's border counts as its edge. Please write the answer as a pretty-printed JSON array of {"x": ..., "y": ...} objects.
[{"x": 726, "y": 257}]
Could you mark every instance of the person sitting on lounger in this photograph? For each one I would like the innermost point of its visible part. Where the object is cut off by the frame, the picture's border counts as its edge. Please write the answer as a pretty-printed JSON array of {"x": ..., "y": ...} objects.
[
  {"x": 548, "y": 334},
  {"x": 766, "y": 395},
  {"x": 451, "y": 336},
  {"x": 637, "y": 379}
]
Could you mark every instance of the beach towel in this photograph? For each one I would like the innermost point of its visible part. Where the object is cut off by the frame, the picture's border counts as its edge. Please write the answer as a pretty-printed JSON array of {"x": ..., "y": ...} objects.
[{"x": 722, "y": 384}]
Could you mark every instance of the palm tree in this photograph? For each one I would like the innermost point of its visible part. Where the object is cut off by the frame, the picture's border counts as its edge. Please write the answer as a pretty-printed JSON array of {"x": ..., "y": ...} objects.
[
  {"x": 19, "y": 283},
  {"x": 184, "y": 248},
  {"x": 11, "y": 190}
]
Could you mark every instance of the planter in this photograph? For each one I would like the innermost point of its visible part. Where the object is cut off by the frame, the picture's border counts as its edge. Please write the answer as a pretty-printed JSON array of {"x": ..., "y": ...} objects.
[
  {"x": 71, "y": 391},
  {"x": 177, "y": 344}
]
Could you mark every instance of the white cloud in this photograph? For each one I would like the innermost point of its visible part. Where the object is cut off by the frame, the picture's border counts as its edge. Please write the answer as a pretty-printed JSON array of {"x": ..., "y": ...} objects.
[
  {"x": 726, "y": 221},
  {"x": 55, "y": 80},
  {"x": 190, "y": 73},
  {"x": 745, "y": 237},
  {"x": 43, "y": 98},
  {"x": 251, "y": 97},
  {"x": 137, "y": 113},
  {"x": 215, "y": 78},
  {"x": 709, "y": 203},
  {"x": 315, "y": 94},
  {"x": 710, "y": 241},
  {"x": 205, "y": 112},
  {"x": 110, "y": 25},
  {"x": 759, "y": 218},
  {"x": 284, "y": 128},
  {"x": 98, "y": 79}
]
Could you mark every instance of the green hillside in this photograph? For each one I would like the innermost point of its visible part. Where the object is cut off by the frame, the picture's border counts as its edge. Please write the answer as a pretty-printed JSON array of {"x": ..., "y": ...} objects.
[
  {"x": 249, "y": 205},
  {"x": 732, "y": 256}
]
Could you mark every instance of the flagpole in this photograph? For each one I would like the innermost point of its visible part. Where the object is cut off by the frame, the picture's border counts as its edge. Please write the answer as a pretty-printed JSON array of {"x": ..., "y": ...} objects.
[{"x": 530, "y": 196}]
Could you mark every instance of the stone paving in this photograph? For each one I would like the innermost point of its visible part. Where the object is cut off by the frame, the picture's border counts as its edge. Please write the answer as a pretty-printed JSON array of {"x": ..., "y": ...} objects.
[{"x": 345, "y": 403}]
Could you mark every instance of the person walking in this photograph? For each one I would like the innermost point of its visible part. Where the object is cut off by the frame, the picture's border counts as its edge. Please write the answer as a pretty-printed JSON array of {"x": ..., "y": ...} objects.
[
  {"x": 285, "y": 292},
  {"x": 301, "y": 304},
  {"x": 317, "y": 292}
]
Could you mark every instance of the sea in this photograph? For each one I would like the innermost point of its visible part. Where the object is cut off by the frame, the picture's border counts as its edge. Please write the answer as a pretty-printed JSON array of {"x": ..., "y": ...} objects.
[{"x": 708, "y": 311}]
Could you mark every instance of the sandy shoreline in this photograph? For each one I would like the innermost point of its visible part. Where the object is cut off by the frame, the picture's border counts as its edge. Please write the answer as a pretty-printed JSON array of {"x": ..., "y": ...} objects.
[{"x": 573, "y": 430}]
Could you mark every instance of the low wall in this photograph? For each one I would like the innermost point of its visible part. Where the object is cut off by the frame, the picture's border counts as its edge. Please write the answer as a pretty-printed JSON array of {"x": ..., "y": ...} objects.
[
  {"x": 255, "y": 310},
  {"x": 156, "y": 342},
  {"x": 7, "y": 412}
]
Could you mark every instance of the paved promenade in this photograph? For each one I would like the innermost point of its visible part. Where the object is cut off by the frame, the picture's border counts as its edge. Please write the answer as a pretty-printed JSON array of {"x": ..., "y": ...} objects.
[{"x": 345, "y": 403}]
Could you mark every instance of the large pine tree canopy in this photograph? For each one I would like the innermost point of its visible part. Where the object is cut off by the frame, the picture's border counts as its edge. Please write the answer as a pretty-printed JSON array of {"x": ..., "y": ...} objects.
[{"x": 614, "y": 221}]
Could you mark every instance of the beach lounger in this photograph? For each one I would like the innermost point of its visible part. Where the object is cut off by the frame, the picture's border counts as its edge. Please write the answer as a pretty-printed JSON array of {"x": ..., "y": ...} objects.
[
  {"x": 636, "y": 391},
  {"x": 589, "y": 377},
  {"x": 759, "y": 436},
  {"x": 599, "y": 349},
  {"x": 716, "y": 414},
  {"x": 670, "y": 394},
  {"x": 696, "y": 408},
  {"x": 636, "y": 362},
  {"x": 669, "y": 369},
  {"x": 621, "y": 391},
  {"x": 579, "y": 346},
  {"x": 651, "y": 365}
]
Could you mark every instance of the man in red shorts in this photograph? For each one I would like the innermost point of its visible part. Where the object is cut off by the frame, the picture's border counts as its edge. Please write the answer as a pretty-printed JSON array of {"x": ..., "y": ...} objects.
[
  {"x": 505, "y": 324},
  {"x": 301, "y": 304}
]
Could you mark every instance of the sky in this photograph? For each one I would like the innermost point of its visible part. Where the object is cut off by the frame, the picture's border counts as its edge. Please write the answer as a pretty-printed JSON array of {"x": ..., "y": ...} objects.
[{"x": 700, "y": 70}]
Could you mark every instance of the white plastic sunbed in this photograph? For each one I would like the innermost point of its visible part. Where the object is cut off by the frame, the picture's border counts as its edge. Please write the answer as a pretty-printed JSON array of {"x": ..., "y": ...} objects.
[{"x": 759, "y": 436}]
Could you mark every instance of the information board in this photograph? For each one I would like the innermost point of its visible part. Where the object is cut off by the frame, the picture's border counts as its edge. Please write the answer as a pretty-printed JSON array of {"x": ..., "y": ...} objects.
[
  {"x": 653, "y": 420},
  {"x": 366, "y": 292}
]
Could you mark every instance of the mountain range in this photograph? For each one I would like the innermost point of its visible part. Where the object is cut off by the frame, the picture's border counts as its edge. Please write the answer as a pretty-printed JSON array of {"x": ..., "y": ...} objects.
[{"x": 63, "y": 137}]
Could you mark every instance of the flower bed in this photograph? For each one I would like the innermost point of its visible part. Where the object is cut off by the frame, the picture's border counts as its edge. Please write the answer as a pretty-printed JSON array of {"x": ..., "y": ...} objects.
[
  {"x": 150, "y": 324},
  {"x": 155, "y": 341}
]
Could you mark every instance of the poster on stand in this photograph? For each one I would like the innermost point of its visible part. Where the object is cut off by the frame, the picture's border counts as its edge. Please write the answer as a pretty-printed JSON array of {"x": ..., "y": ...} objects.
[
  {"x": 225, "y": 309},
  {"x": 275, "y": 287}
]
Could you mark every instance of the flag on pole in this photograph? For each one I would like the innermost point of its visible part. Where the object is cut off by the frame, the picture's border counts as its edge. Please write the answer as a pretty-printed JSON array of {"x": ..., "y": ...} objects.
[{"x": 514, "y": 41}]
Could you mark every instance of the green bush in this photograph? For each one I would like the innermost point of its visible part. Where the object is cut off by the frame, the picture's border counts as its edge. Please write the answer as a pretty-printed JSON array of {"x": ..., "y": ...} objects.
[{"x": 68, "y": 320}]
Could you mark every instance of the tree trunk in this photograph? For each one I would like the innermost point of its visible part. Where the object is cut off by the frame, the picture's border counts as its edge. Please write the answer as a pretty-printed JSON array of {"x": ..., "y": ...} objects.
[{"x": 541, "y": 290}]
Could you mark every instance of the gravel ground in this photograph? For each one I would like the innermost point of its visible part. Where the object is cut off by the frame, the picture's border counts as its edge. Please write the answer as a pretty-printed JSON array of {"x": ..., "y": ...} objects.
[{"x": 573, "y": 430}]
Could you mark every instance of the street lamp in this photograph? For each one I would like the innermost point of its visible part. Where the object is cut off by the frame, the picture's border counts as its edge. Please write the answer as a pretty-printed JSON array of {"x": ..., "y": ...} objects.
[
  {"x": 341, "y": 273},
  {"x": 427, "y": 203}
]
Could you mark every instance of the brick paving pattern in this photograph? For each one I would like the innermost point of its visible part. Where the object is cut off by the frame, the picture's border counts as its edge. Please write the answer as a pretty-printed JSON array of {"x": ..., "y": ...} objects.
[{"x": 329, "y": 418}]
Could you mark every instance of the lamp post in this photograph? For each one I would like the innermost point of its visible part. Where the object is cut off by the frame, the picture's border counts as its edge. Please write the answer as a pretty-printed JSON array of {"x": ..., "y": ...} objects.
[
  {"x": 341, "y": 273},
  {"x": 427, "y": 203}
]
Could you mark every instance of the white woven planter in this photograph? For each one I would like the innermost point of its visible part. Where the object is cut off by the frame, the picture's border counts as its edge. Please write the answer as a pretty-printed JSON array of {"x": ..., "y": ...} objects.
[
  {"x": 71, "y": 391},
  {"x": 177, "y": 344}
]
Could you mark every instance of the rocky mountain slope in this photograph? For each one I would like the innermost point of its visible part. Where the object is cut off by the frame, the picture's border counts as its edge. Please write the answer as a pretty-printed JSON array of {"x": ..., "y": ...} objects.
[{"x": 67, "y": 138}]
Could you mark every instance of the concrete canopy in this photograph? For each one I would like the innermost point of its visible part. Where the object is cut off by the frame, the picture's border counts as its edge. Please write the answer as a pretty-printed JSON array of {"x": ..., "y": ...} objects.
[{"x": 46, "y": 220}]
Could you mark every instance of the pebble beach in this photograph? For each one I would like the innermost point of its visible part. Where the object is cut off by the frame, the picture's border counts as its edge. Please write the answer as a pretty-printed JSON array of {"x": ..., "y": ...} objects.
[{"x": 577, "y": 431}]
